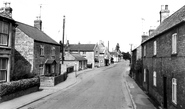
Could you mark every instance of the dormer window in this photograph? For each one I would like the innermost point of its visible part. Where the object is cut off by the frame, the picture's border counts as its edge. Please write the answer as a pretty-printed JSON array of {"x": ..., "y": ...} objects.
[
  {"x": 42, "y": 50},
  {"x": 4, "y": 33}
]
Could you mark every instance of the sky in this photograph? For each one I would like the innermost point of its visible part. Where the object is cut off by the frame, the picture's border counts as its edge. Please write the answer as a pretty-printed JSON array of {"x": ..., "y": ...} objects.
[{"x": 89, "y": 21}]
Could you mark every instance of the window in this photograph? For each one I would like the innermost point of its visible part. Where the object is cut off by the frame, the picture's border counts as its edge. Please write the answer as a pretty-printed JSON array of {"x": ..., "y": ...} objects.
[
  {"x": 41, "y": 50},
  {"x": 144, "y": 50},
  {"x": 53, "y": 51},
  {"x": 4, "y": 33},
  {"x": 154, "y": 78},
  {"x": 3, "y": 68},
  {"x": 174, "y": 43},
  {"x": 144, "y": 75},
  {"x": 155, "y": 48},
  {"x": 41, "y": 69},
  {"x": 174, "y": 90}
]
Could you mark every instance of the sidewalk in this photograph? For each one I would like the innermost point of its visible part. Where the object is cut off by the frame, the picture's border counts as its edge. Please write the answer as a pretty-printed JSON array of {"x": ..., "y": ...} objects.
[
  {"x": 139, "y": 98},
  {"x": 44, "y": 92}
]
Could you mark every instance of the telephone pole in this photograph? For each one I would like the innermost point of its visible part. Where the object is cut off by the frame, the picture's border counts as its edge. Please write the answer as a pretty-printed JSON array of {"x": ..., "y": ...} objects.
[{"x": 63, "y": 40}]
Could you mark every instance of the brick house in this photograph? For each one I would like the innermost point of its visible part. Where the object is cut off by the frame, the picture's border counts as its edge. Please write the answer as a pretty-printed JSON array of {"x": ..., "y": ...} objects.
[
  {"x": 85, "y": 50},
  {"x": 36, "y": 49},
  {"x": 75, "y": 60},
  {"x": 163, "y": 56},
  {"x": 7, "y": 46}
]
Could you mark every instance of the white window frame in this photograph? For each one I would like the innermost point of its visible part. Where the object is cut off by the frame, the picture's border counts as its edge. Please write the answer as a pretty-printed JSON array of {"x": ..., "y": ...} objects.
[
  {"x": 174, "y": 90},
  {"x": 41, "y": 50},
  {"x": 41, "y": 67},
  {"x": 53, "y": 51},
  {"x": 144, "y": 50},
  {"x": 155, "y": 47},
  {"x": 154, "y": 78},
  {"x": 144, "y": 75},
  {"x": 6, "y": 69},
  {"x": 174, "y": 43}
]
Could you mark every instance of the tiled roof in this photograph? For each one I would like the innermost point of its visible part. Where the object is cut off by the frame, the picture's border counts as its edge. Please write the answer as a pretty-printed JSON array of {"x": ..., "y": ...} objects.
[
  {"x": 78, "y": 57},
  {"x": 171, "y": 21},
  {"x": 35, "y": 33},
  {"x": 80, "y": 47}
]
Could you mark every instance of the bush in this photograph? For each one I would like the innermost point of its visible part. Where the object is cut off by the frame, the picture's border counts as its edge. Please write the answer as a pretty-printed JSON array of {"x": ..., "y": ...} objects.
[
  {"x": 21, "y": 71},
  {"x": 15, "y": 86}
]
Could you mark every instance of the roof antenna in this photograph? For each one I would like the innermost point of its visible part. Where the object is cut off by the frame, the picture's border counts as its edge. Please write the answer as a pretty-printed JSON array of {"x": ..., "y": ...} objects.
[{"x": 40, "y": 11}]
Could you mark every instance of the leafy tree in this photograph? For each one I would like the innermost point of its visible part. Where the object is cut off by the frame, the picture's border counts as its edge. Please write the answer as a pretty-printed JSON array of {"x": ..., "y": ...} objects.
[{"x": 126, "y": 56}]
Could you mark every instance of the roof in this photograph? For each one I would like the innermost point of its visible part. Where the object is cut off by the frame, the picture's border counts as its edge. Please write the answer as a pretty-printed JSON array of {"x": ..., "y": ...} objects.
[
  {"x": 78, "y": 57},
  {"x": 35, "y": 33},
  {"x": 80, "y": 47},
  {"x": 173, "y": 20}
]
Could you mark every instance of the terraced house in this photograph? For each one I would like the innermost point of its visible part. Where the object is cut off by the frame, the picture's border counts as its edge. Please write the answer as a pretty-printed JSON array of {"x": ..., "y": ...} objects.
[
  {"x": 7, "y": 39},
  {"x": 163, "y": 56}
]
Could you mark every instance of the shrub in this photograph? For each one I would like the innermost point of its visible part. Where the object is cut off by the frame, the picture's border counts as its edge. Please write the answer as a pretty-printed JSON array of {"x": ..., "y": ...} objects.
[{"x": 14, "y": 86}]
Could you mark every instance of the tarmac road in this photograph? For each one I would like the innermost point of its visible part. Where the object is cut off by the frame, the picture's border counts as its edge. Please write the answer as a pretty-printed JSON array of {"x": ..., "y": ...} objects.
[{"x": 103, "y": 88}]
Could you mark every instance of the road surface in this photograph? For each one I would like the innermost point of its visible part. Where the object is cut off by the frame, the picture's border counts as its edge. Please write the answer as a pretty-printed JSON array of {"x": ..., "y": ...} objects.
[{"x": 102, "y": 88}]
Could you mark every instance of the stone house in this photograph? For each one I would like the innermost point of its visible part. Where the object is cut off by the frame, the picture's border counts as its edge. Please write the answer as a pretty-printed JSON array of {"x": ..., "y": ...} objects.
[
  {"x": 114, "y": 56},
  {"x": 39, "y": 52},
  {"x": 7, "y": 46},
  {"x": 75, "y": 60},
  {"x": 163, "y": 56},
  {"x": 85, "y": 50}
]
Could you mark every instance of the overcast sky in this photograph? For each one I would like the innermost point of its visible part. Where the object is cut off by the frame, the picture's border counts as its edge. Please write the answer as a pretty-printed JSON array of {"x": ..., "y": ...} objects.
[{"x": 88, "y": 21}]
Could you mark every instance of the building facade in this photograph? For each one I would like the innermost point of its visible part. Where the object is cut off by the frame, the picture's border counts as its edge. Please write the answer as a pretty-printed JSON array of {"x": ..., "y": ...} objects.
[
  {"x": 7, "y": 46},
  {"x": 163, "y": 62}
]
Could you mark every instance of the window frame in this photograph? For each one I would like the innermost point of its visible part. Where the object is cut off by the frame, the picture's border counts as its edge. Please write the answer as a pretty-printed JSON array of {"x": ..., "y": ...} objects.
[
  {"x": 41, "y": 50},
  {"x": 144, "y": 79},
  {"x": 6, "y": 69},
  {"x": 144, "y": 51},
  {"x": 155, "y": 48},
  {"x": 174, "y": 43},
  {"x": 53, "y": 51},
  {"x": 174, "y": 90},
  {"x": 154, "y": 78},
  {"x": 4, "y": 33}
]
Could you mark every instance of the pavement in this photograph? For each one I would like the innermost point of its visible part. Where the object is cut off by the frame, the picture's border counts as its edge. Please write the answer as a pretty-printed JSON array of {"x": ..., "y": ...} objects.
[
  {"x": 22, "y": 101},
  {"x": 138, "y": 97}
]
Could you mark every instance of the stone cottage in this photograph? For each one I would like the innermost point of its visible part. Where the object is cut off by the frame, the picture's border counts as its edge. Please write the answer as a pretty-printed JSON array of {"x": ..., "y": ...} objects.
[{"x": 39, "y": 52}]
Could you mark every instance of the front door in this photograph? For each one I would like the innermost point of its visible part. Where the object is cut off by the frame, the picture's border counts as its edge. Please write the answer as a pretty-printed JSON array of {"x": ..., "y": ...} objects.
[{"x": 165, "y": 92}]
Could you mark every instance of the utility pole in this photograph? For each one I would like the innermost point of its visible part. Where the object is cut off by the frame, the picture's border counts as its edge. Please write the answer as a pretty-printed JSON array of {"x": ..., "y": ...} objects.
[{"x": 63, "y": 40}]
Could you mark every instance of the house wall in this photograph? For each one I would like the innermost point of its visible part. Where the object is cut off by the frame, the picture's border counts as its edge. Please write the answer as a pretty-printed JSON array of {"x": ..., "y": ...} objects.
[
  {"x": 168, "y": 65},
  {"x": 24, "y": 47},
  {"x": 8, "y": 51},
  {"x": 38, "y": 59},
  {"x": 90, "y": 57},
  {"x": 72, "y": 63}
]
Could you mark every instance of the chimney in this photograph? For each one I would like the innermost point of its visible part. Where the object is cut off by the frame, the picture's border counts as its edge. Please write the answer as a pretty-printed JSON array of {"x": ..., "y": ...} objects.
[
  {"x": 7, "y": 9},
  {"x": 151, "y": 31},
  {"x": 144, "y": 37},
  {"x": 38, "y": 23},
  {"x": 164, "y": 13}
]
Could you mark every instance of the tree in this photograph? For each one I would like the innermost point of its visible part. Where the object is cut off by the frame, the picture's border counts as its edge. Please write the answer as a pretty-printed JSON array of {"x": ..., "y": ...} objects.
[
  {"x": 117, "y": 47},
  {"x": 126, "y": 56}
]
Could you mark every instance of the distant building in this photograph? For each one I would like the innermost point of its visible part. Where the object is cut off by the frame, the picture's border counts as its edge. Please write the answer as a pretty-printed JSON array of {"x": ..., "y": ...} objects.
[
  {"x": 85, "y": 50},
  {"x": 75, "y": 60},
  {"x": 7, "y": 46}
]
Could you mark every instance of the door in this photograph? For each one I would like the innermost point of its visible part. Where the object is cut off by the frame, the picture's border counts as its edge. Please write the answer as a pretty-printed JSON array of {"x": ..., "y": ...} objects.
[
  {"x": 165, "y": 92},
  {"x": 147, "y": 80}
]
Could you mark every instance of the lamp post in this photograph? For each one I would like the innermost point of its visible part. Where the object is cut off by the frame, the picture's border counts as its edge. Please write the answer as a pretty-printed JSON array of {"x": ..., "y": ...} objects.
[{"x": 63, "y": 40}]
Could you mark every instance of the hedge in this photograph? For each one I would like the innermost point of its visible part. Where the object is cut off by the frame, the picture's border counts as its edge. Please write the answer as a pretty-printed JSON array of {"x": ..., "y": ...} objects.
[{"x": 15, "y": 86}]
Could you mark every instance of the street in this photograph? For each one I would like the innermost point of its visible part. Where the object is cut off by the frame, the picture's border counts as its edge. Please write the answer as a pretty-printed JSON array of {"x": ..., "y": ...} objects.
[{"x": 102, "y": 88}]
